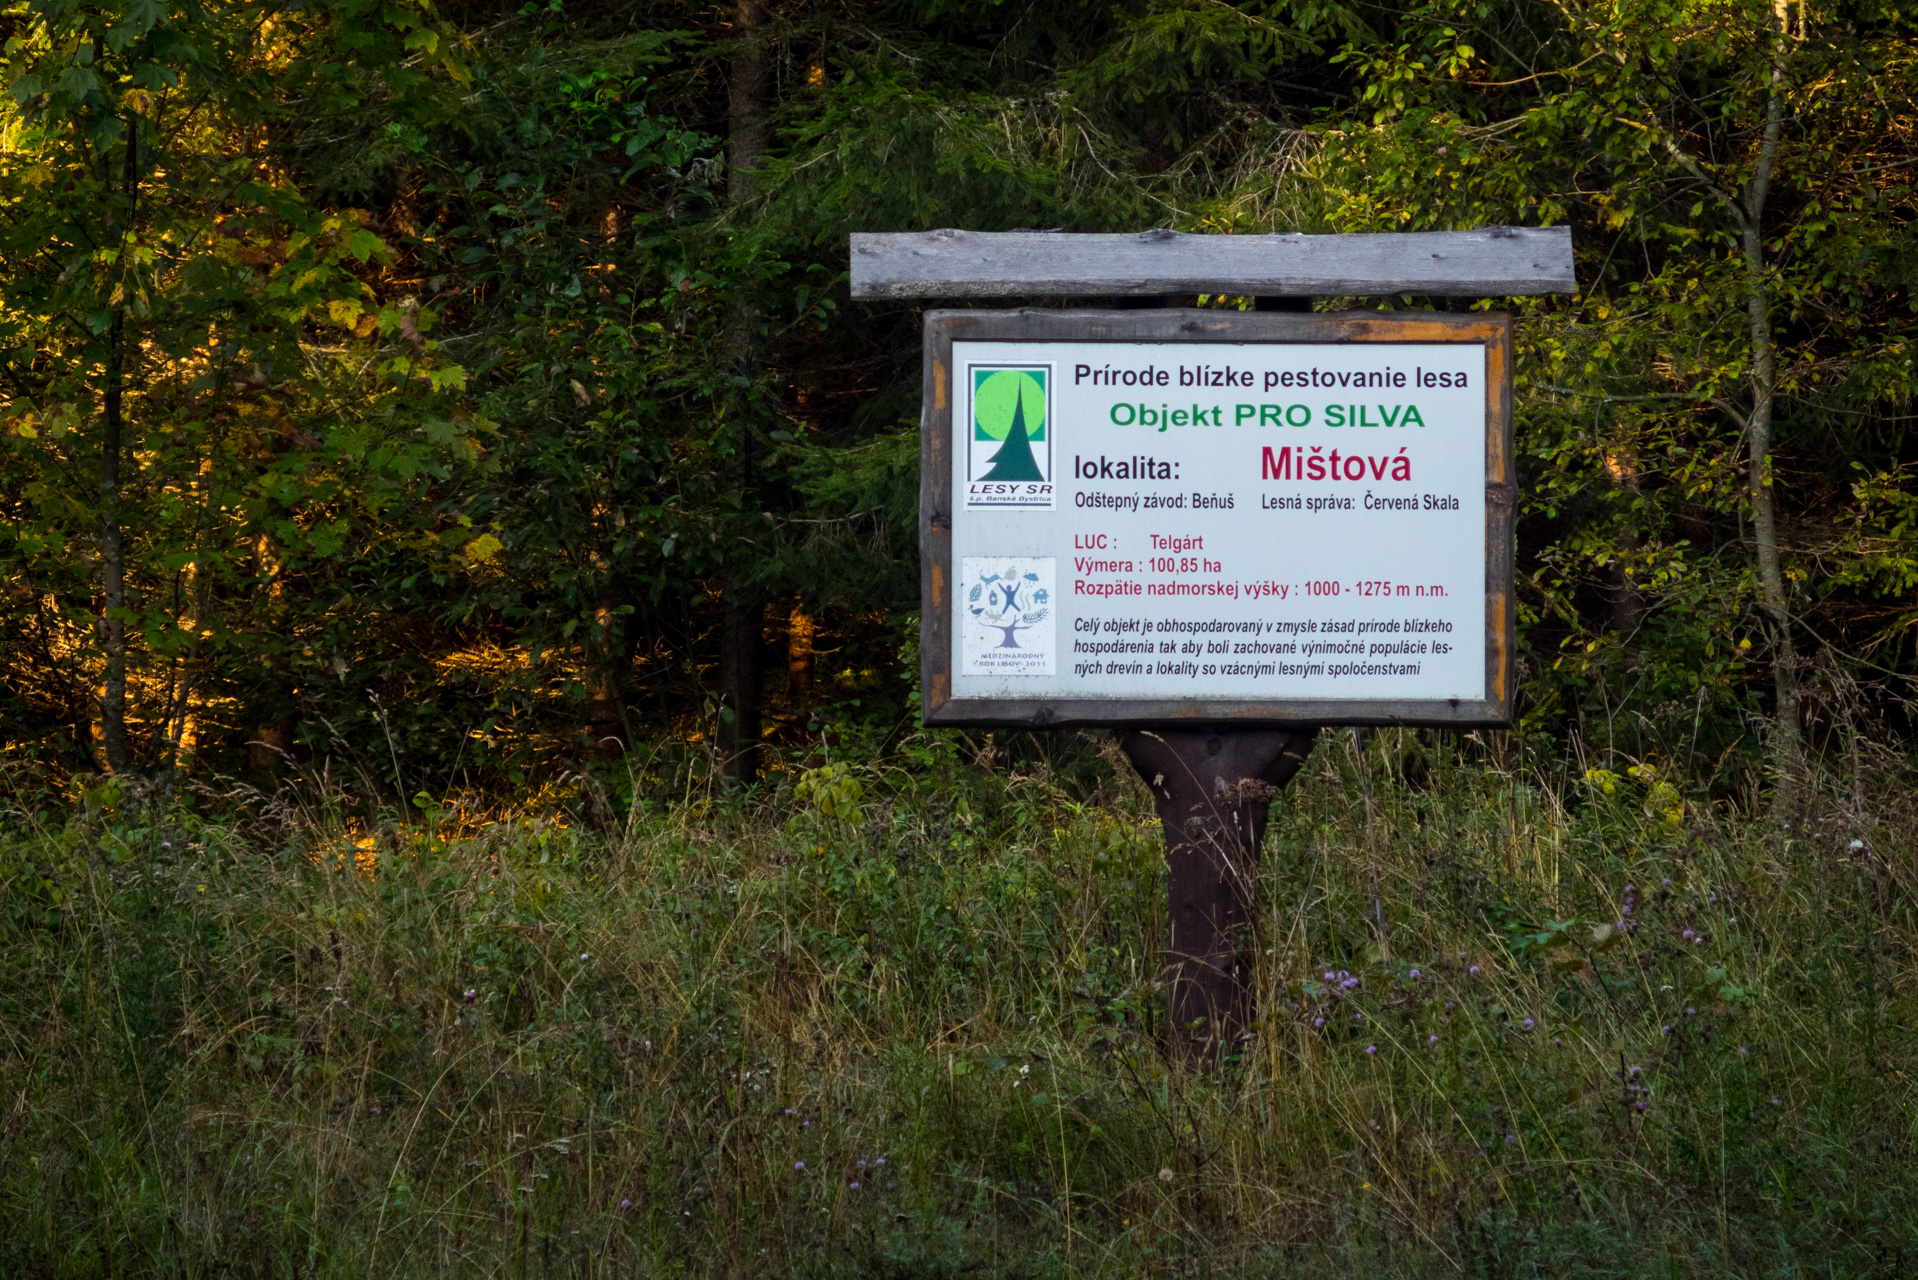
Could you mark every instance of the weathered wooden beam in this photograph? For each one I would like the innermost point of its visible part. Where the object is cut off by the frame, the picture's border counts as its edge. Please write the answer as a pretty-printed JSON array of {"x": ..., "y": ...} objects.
[{"x": 1492, "y": 262}]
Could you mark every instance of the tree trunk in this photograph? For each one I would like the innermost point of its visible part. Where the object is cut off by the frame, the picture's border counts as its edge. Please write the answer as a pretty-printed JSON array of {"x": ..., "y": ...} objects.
[
  {"x": 800, "y": 629},
  {"x": 607, "y": 732},
  {"x": 271, "y": 746},
  {"x": 113, "y": 566},
  {"x": 270, "y": 749},
  {"x": 747, "y": 100},
  {"x": 739, "y": 640},
  {"x": 1626, "y": 601},
  {"x": 176, "y": 735},
  {"x": 1787, "y": 743},
  {"x": 740, "y": 630},
  {"x": 113, "y": 573}
]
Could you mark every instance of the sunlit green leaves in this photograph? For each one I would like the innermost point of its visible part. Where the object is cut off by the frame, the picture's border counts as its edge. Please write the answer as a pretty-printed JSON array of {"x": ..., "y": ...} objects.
[
  {"x": 159, "y": 253},
  {"x": 1638, "y": 123}
]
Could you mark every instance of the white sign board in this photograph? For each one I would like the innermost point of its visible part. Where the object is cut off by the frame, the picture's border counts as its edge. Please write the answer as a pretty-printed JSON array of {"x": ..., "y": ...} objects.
[{"x": 1271, "y": 517}]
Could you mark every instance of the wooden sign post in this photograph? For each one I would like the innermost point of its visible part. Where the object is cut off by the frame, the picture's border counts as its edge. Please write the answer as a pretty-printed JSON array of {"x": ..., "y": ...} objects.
[{"x": 1215, "y": 530}]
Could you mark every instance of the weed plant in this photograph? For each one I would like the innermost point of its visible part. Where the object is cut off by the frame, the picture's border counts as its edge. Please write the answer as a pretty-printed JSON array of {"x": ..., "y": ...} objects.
[{"x": 901, "y": 1020}]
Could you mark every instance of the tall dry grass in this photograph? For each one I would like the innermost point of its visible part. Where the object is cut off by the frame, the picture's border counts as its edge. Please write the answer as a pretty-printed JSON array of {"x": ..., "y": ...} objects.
[{"x": 902, "y": 1021}]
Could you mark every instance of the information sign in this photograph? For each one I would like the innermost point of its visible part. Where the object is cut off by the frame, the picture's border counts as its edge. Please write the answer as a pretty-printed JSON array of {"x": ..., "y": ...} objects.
[{"x": 1169, "y": 516}]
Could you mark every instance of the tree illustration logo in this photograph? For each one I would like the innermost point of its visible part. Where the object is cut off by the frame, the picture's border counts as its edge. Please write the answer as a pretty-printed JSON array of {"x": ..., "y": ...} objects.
[
  {"x": 1007, "y": 616},
  {"x": 1009, "y": 446},
  {"x": 1009, "y": 602}
]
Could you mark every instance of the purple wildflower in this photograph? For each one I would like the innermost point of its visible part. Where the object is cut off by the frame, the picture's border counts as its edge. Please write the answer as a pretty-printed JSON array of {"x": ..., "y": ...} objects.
[
  {"x": 1371, "y": 1048},
  {"x": 1414, "y": 975},
  {"x": 1473, "y": 971},
  {"x": 1528, "y": 1024},
  {"x": 799, "y": 1164}
]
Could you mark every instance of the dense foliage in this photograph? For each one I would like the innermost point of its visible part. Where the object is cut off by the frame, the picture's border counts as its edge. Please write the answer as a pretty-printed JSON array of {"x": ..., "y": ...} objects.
[{"x": 460, "y": 396}]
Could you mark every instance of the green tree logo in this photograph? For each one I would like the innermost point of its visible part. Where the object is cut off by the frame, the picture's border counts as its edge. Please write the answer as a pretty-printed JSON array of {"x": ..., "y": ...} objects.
[{"x": 1009, "y": 408}]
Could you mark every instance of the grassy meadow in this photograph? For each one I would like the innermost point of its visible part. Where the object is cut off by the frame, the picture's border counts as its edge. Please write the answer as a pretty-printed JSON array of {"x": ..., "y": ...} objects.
[{"x": 899, "y": 1020}]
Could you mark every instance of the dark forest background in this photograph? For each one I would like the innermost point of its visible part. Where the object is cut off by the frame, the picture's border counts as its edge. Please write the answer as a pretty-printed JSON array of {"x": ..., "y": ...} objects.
[{"x": 459, "y": 397}]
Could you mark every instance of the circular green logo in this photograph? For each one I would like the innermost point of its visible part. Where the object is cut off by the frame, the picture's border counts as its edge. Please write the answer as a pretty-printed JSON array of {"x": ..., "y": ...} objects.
[{"x": 1001, "y": 396}]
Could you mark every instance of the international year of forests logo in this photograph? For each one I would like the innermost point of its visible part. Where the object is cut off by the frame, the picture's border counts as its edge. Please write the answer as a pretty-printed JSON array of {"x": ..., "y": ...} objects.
[
  {"x": 1009, "y": 446},
  {"x": 1008, "y": 617}
]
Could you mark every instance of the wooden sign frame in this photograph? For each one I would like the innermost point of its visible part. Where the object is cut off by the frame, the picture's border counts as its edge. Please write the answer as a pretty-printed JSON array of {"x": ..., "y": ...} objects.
[{"x": 942, "y": 328}]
